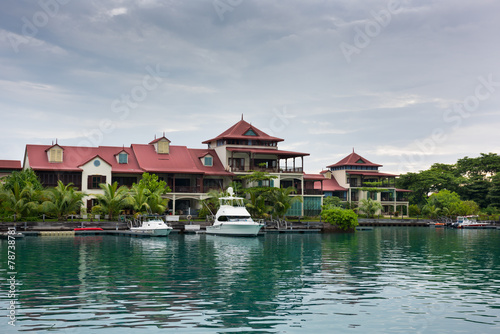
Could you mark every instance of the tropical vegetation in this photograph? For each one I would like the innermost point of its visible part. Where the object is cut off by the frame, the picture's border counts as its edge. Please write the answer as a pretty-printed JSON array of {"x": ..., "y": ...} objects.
[
  {"x": 22, "y": 196},
  {"x": 470, "y": 186}
]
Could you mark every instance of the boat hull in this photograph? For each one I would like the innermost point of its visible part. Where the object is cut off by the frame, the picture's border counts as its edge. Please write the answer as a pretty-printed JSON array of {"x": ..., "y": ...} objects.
[
  {"x": 157, "y": 232},
  {"x": 235, "y": 229}
]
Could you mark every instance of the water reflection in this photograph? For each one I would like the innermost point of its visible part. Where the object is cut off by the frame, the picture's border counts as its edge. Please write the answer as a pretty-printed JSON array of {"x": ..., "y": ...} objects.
[{"x": 386, "y": 280}]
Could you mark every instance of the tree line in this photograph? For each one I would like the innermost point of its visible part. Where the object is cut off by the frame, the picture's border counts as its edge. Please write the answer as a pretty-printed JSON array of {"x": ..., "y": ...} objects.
[{"x": 470, "y": 186}]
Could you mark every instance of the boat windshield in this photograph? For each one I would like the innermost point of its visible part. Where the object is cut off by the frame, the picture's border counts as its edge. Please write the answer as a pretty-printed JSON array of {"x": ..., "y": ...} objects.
[{"x": 234, "y": 218}]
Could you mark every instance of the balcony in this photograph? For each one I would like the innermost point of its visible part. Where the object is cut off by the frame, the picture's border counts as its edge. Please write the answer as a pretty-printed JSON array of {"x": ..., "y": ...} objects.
[
  {"x": 291, "y": 169},
  {"x": 186, "y": 189}
]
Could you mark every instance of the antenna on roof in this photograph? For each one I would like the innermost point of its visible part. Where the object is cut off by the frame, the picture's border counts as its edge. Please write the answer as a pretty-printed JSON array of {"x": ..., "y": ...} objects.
[
  {"x": 241, "y": 116},
  {"x": 155, "y": 135},
  {"x": 56, "y": 141},
  {"x": 353, "y": 150},
  {"x": 163, "y": 133}
]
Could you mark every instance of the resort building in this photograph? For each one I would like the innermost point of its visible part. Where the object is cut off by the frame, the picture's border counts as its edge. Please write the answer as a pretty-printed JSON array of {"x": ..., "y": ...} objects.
[
  {"x": 9, "y": 166},
  {"x": 355, "y": 178},
  {"x": 190, "y": 173},
  {"x": 243, "y": 149}
]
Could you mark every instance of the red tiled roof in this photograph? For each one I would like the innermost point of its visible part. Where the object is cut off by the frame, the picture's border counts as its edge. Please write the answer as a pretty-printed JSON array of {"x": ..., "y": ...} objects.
[
  {"x": 179, "y": 160},
  {"x": 352, "y": 160},
  {"x": 10, "y": 164},
  {"x": 238, "y": 131},
  {"x": 76, "y": 156},
  {"x": 329, "y": 185},
  {"x": 280, "y": 153},
  {"x": 216, "y": 169},
  {"x": 141, "y": 158}
]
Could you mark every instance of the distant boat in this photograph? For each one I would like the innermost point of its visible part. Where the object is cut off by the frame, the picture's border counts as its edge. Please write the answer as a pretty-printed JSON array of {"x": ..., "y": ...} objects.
[
  {"x": 154, "y": 227},
  {"x": 233, "y": 219},
  {"x": 469, "y": 222}
]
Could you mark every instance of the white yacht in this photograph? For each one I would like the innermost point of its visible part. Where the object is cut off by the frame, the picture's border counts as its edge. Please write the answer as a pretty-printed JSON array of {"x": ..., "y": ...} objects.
[
  {"x": 154, "y": 227},
  {"x": 232, "y": 218},
  {"x": 469, "y": 221}
]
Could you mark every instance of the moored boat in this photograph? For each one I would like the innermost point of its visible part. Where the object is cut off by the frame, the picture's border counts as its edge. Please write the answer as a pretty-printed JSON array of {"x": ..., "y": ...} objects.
[
  {"x": 233, "y": 219},
  {"x": 154, "y": 227},
  {"x": 469, "y": 222}
]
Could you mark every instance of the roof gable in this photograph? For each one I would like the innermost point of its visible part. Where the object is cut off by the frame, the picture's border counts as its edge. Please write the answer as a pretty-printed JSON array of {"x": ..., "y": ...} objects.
[
  {"x": 97, "y": 156},
  {"x": 354, "y": 159},
  {"x": 243, "y": 130}
]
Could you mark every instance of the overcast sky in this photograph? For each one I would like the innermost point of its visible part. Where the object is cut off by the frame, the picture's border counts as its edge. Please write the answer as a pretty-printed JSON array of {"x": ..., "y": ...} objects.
[{"x": 405, "y": 83}]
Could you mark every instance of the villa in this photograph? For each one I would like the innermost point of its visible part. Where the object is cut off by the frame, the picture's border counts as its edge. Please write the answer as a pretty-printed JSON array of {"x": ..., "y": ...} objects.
[
  {"x": 355, "y": 178},
  {"x": 190, "y": 173}
]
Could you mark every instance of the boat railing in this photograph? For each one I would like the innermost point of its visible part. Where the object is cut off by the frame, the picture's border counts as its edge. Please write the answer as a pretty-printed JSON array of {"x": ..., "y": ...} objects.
[{"x": 134, "y": 222}]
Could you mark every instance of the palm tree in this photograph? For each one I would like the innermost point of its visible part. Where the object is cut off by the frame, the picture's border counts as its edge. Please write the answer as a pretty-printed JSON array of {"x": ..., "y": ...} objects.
[
  {"x": 114, "y": 199},
  {"x": 370, "y": 207},
  {"x": 62, "y": 200},
  {"x": 139, "y": 198},
  {"x": 282, "y": 201},
  {"x": 20, "y": 202},
  {"x": 256, "y": 204},
  {"x": 430, "y": 211},
  {"x": 156, "y": 202}
]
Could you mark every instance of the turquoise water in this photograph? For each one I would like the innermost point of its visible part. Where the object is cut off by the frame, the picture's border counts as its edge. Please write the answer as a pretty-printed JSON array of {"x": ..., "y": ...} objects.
[{"x": 389, "y": 280}]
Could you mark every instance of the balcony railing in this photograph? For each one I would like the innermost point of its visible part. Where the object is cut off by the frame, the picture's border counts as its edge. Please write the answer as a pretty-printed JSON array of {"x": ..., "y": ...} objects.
[
  {"x": 291, "y": 169},
  {"x": 186, "y": 189}
]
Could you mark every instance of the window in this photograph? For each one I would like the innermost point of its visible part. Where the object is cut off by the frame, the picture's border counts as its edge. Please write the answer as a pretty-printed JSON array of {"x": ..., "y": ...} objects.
[
  {"x": 163, "y": 147},
  {"x": 93, "y": 181},
  {"x": 208, "y": 161},
  {"x": 250, "y": 132},
  {"x": 55, "y": 155},
  {"x": 123, "y": 158}
]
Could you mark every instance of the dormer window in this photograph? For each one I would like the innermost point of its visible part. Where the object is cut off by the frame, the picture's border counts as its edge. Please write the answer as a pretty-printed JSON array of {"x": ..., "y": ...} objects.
[
  {"x": 123, "y": 158},
  {"x": 163, "y": 147},
  {"x": 208, "y": 161},
  {"x": 55, "y": 154}
]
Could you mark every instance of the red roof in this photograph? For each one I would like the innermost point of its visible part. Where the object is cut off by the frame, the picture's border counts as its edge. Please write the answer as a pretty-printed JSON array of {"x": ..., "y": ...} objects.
[
  {"x": 10, "y": 164},
  {"x": 179, "y": 160},
  {"x": 281, "y": 153},
  {"x": 141, "y": 158},
  {"x": 240, "y": 130},
  {"x": 76, "y": 156},
  {"x": 354, "y": 159},
  {"x": 329, "y": 185}
]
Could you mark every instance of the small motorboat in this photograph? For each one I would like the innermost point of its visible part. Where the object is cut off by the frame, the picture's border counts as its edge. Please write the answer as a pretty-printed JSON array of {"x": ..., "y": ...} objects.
[
  {"x": 154, "y": 227},
  {"x": 233, "y": 219},
  {"x": 469, "y": 222}
]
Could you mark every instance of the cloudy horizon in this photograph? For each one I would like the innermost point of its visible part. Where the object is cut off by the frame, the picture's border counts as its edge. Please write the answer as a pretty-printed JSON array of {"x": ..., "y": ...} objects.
[{"x": 404, "y": 83}]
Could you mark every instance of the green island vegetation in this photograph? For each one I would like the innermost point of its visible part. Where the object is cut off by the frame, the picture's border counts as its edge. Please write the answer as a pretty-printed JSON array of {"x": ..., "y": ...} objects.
[{"x": 471, "y": 186}]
